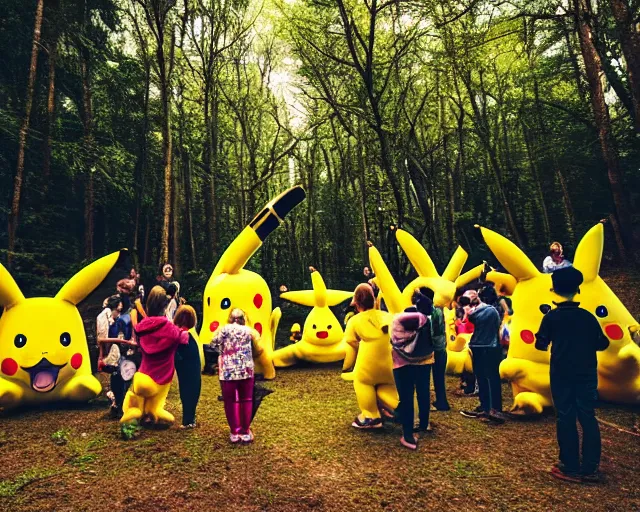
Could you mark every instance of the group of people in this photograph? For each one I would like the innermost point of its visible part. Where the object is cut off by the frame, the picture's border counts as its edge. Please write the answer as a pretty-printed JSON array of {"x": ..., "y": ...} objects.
[{"x": 158, "y": 343}]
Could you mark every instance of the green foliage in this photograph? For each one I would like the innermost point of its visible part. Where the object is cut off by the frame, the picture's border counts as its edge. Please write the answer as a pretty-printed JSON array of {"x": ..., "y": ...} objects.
[
  {"x": 130, "y": 431},
  {"x": 61, "y": 437}
]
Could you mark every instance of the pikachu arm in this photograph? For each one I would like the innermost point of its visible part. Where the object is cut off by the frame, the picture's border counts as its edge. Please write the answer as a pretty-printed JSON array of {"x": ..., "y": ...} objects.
[
  {"x": 505, "y": 283},
  {"x": 512, "y": 369},
  {"x": 349, "y": 357},
  {"x": 347, "y": 376},
  {"x": 81, "y": 387},
  {"x": 10, "y": 393},
  {"x": 630, "y": 351},
  {"x": 274, "y": 321},
  {"x": 458, "y": 344},
  {"x": 286, "y": 356}
]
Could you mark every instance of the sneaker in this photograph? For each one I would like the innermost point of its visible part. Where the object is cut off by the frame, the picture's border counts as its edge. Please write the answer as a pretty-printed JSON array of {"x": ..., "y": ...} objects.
[
  {"x": 234, "y": 438},
  {"x": 592, "y": 478},
  {"x": 436, "y": 407},
  {"x": 190, "y": 425},
  {"x": 408, "y": 444},
  {"x": 367, "y": 423},
  {"x": 560, "y": 474},
  {"x": 478, "y": 412},
  {"x": 496, "y": 417},
  {"x": 247, "y": 438}
]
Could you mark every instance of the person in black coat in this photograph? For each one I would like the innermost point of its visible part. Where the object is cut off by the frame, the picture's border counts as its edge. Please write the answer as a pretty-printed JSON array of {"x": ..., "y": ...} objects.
[{"x": 187, "y": 363}]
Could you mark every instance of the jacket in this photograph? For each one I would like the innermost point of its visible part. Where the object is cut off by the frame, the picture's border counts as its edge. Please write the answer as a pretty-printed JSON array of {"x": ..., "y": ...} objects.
[
  {"x": 159, "y": 340},
  {"x": 486, "y": 322}
]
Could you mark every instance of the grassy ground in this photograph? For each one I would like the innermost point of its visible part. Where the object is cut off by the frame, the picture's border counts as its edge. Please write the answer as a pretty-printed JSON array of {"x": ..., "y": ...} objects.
[{"x": 306, "y": 456}]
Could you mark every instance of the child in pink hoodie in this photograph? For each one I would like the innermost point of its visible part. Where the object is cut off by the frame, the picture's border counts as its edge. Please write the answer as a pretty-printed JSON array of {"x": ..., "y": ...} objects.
[{"x": 159, "y": 340}]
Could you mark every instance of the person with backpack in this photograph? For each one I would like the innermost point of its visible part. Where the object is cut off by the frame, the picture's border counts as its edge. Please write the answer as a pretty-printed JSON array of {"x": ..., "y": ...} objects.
[
  {"x": 439, "y": 341},
  {"x": 412, "y": 357}
]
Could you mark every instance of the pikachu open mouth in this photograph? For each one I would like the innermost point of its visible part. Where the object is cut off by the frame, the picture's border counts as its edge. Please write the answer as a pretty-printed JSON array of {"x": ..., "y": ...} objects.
[{"x": 44, "y": 375}]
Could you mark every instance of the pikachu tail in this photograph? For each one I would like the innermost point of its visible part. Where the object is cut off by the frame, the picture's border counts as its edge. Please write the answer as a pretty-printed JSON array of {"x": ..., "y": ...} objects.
[{"x": 250, "y": 239}]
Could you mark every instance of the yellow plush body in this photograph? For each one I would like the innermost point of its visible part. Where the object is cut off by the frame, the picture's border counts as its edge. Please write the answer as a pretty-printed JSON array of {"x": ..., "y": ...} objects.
[
  {"x": 528, "y": 368},
  {"x": 43, "y": 348},
  {"x": 373, "y": 380},
  {"x": 322, "y": 333},
  {"x": 444, "y": 287},
  {"x": 231, "y": 286},
  {"x": 146, "y": 398}
]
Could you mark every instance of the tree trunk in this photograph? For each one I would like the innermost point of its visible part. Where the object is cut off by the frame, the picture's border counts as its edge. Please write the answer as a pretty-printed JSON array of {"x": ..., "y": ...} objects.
[
  {"x": 187, "y": 206},
  {"x": 89, "y": 148},
  {"x": 24, "y": 128},
  {"x": 167, "y": 156},
  {"x": 176, "y": 204},
  {"x": 51, "y": 113},
  {"x": 141, "y": 168},
  {"x": 593, "y": 70},
  {"x": 630, "y": 42},
  {"x": 537, "y": 180}
]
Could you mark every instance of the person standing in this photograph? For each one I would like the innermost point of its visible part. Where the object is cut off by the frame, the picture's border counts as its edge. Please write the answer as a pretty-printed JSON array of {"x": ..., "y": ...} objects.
[
  {"x": 487, "y": 356},
  {"x": 575, "y": 336},
  {"x": 439, "y": 341},
  {"x": 188, "y": 366},
  {"x": 555, "y": 260},
  {"x": 412, "y": 357},
  {"x": 237, "y": 344}
]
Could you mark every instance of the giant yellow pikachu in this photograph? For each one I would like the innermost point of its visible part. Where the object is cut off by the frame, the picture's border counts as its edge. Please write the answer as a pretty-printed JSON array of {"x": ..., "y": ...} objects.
[
  {"x": 444, "y": 287},
  {"x": 43, "y": 348},
  {"x": 322, "y": 333},
  {"x": 232, "y": 286},
  {"x": 527, "y": 368}
]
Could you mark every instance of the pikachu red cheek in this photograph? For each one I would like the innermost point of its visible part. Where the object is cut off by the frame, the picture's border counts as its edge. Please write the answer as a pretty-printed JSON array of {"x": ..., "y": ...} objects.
[
  {"x": 9, "y": 367},
  {"x": 76, "y": 361},
  {"x": 614, "y": 331}
]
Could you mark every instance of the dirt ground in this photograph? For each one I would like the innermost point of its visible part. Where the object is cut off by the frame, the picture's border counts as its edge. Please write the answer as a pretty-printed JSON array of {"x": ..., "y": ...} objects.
[{"x": 306, "y": 456}]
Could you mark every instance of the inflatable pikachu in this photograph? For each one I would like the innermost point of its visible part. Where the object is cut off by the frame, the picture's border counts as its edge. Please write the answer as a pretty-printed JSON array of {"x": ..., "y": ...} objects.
[
  {"x": 528, "y": 368},
  {"x": 232, "y": 286},
  {"x": 43, "y": 347},
  {"x": 444, "y": 287},
  {"x": 322, "y": 334}
]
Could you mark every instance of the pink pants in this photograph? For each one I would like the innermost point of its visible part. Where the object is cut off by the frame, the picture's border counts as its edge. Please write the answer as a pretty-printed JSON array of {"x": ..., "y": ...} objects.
[{"x": 238, "y": 404}]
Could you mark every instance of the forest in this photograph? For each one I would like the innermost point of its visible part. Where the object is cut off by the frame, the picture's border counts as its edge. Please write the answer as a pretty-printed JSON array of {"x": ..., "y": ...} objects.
[{"x": 165, "y": 125}]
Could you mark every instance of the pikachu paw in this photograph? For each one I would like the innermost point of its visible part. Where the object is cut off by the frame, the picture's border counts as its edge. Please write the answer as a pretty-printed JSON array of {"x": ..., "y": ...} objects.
[
  {"x": 347, "y": 376},
  {"x": 81, "y": 388},
  {"x": 529, "y": 403},
  {"x": 10, "y": 394}
]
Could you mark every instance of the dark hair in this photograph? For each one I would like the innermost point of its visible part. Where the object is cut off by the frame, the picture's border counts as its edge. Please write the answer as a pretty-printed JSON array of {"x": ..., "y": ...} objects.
[
  {"x": 464, "y": 301},
  {"x": 488, "y": 295},
  {"x": 427, "y": 292},
  {"x": 113, "y": 301},
  {"x": 423, "y": 303},
  {"x": 157, "y": 301}
]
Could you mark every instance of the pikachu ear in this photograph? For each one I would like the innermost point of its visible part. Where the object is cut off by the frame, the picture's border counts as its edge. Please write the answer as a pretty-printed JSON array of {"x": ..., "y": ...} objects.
[
  {"x": 469, "y": 275},
  {"x": 335, "y": 297},
  {"x": 509, "y": 255},
  {"x": 238, "y": 253},
  {"x": 10, "y": 294},
  {"x": 385, "y": 281},
  {"x": 455, "y": 265},
  {"x": 417, "y": 254},
  {"x": 589, "y": 253},
  {"x": 84, "y": 282},
  {"x": 319, "y": 289},
  {"x": 302, "y": 297}
]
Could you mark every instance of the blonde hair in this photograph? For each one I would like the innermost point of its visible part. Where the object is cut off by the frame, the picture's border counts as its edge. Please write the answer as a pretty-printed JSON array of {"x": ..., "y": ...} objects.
[
  {"x": 237, "y": 316},
  {"x": 185, "y": 317}
]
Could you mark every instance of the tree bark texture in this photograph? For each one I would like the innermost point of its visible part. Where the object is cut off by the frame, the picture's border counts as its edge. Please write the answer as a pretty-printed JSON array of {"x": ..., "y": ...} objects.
[{"x": 22, "y": 142}]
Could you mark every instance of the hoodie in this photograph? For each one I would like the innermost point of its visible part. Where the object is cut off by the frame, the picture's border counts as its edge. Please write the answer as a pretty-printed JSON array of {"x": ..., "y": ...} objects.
[
  {"x": 159, "y": 340},
  {"x": 486, "y": 322},
  {"x": 411, "y": 338}
]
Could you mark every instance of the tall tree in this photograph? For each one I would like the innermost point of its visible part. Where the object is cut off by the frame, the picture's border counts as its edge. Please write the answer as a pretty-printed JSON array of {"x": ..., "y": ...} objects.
[{"x": 24, "y": 129}]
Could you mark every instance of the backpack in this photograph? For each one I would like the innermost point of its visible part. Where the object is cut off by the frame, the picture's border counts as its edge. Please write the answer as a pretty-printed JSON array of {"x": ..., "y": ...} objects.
[{"x": 437, "y": 329}]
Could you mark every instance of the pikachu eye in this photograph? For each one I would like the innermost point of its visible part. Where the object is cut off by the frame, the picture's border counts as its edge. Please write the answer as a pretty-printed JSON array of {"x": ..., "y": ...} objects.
[
  {"x": 65, "y": 339},
  {"x": 328, "y": 327},
  {"x": 314, "y": 326},
  {"x": 545, "y": 308},
  {"x": 20, "y": 340},
  {"x": 208, "y": 301},
  {"x": 602, "y": 312},
  {"x": 225, "y": 303}
]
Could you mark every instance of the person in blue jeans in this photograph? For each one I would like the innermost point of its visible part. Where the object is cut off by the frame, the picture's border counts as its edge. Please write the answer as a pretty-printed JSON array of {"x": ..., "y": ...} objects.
[{"x": 575, "y": 336}]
